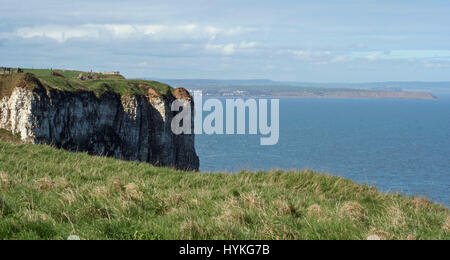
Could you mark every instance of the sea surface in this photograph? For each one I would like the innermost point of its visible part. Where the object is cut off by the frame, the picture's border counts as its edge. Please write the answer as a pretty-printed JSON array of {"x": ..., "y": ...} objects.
[{"x": 395, "y": 145}]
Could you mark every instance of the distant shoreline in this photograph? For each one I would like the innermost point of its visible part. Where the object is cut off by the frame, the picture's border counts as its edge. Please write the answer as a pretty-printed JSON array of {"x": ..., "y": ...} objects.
[
  {"x": 329, "y": 95},
  {"x": 299, "y": 97}
]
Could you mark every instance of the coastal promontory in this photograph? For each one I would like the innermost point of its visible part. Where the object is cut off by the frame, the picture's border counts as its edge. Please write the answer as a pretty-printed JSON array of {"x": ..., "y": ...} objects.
[{"x": 99, "y": 113}]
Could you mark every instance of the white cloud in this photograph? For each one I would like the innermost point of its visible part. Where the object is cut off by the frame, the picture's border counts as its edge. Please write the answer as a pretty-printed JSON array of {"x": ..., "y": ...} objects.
[
  {"x": 401, "y": 54},
  {"x": 327, "y": 57},
  {"x": 429, "y": 58},
  {"x": 321, "y": 57},
  {"x": 316, "y": 56},
  {"x": 373, "y": 57},
  {"x": 226, "y": 49},
  {"x": 151, "y": 29},
  {"x": 238, "y": 30},
  {"x": 125, "y": 31},
  {"x": 247, "y": 45},
  {"x": 437, "y": 64},
  {"x": 118, "y": 30},
  {"x": 386, "y": 37},
  {"x": 229, "y": 49},
  {"x": 341, "y": 58},
  {"x": 212, "y": 31},
  {"x": 311, "y": 55},
  {"x": 58, "y": 33}
]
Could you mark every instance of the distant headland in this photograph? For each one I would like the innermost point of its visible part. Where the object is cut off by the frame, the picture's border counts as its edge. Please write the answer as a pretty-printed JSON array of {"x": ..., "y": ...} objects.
[{"x": 274, "y": 89}]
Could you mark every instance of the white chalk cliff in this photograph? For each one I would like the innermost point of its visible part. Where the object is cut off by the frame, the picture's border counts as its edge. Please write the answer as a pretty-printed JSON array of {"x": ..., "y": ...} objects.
[{"x": 129, "y": 127}]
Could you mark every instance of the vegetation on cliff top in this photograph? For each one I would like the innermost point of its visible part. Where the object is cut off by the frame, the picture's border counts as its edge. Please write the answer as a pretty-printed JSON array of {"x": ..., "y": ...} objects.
[
  {"x": 47, "y": 193},
  {"x": 65, "y": 80}
]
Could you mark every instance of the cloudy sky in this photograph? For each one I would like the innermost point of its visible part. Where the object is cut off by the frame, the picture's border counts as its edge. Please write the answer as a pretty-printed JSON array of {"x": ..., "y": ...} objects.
[{"x": 289, "y": 40}]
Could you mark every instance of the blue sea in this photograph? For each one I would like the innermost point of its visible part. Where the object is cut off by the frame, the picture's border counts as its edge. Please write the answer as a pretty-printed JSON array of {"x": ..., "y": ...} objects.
[{"x": 395, "y": 145}]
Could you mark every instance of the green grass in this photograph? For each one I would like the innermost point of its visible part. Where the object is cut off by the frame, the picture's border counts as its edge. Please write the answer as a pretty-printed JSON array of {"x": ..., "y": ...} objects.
[
  {"x": 7, "y": 136},
  {"x": 47, "y": 193},
  {"x": 69, "y": 82}
]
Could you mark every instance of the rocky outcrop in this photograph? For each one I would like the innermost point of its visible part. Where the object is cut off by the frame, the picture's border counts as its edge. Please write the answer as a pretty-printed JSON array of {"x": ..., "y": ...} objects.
[{"x": 129, "y": 127}]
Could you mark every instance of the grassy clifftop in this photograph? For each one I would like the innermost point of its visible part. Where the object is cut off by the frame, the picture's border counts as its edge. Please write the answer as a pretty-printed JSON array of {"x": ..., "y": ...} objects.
[
  {"x": 65, "y": 80},
  {"x": 47, "y": 193}
]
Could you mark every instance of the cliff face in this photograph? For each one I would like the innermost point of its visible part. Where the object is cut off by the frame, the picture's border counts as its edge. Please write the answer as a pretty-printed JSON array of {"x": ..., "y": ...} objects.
[{"x": 130, "y": 127}]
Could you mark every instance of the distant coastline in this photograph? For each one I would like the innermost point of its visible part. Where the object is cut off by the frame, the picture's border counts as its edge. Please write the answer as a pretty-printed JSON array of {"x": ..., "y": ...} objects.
[
  {"x": 319, "y": 93},
  {"x": 273, "y": 89}
]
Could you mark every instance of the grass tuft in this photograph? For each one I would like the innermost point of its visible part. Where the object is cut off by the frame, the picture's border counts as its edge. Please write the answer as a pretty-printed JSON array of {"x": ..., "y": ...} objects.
[
  {"x": 45, "y": 184},
  {"x": 314, "y": 210},
  {"x": 353, "y": 210},
  {"x": 446, "y": 226}
]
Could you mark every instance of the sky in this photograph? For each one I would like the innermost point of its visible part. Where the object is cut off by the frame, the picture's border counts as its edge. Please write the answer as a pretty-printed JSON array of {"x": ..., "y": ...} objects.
[{"x": 283, "y": 40}]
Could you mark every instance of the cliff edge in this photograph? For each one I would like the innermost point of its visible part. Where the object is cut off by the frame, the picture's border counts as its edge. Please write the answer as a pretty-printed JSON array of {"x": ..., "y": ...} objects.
[{"x": 109, "y": 116}]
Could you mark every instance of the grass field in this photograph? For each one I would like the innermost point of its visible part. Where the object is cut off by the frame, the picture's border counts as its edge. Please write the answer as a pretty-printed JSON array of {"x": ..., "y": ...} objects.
[
  {"x": 47, "y": 193},
  {"x": 68, "y": 82}
]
